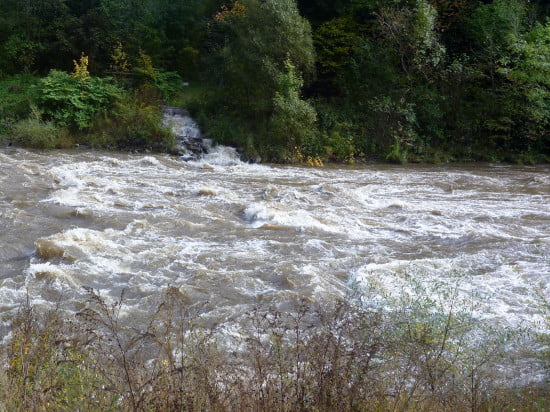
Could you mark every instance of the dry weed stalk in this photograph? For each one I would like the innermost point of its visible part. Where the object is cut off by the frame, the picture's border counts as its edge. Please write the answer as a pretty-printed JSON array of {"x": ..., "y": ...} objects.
[{"x": 342, "y": 357}]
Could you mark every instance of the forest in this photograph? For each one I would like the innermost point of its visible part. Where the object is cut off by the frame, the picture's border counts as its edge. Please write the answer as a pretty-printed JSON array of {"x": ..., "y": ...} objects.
[{"x": 305, "y": 81}]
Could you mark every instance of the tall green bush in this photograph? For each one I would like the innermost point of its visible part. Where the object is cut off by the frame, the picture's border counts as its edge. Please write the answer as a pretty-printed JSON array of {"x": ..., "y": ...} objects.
[
  {"x": 131, "y": 124},
  {"x": 294, "y": 119},
  {"x": 73, "y": 101}
]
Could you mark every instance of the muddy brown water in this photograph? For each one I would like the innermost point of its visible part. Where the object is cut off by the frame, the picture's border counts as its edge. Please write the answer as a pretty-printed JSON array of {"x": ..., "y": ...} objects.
[{"x": 230, "y": 235}]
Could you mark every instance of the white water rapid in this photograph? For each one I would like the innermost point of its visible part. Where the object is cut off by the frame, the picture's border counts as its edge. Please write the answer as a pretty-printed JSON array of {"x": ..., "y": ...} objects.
[{"x": 230, "y": 235}]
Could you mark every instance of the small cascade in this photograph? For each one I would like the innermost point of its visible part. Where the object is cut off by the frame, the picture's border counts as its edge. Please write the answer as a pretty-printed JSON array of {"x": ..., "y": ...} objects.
[
  {"x": 222, "y": 156},
  {"x": 190, "y": 143}
]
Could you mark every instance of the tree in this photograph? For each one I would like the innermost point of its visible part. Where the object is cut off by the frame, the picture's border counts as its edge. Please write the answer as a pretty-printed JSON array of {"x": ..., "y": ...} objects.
[
  {"x": 255, "y": 38},
  {"x": 171, "y": 32},
  {"x": 253, "y": 42},
  {"x": 294, "y": 119},
  {"x": 529, "y": 86},
  {"x": 335, "y": 41},
  {"x": 410, "y": 33},
  {"x": 44, "y": 34}
]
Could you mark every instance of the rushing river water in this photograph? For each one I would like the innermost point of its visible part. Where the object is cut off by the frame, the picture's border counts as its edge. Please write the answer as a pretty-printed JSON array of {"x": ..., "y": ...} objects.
[{"x": 231, "y": 235}]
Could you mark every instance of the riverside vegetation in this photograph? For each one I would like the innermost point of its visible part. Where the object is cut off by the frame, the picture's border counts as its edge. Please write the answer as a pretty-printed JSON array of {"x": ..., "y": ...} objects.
[
  {"x": 427, "y": 354},
  {"x": 283, "y": 80}
]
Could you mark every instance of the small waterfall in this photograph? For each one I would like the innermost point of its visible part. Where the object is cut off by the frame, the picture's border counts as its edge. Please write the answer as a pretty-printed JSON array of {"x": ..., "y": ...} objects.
[{"x": 190, "y": 143}]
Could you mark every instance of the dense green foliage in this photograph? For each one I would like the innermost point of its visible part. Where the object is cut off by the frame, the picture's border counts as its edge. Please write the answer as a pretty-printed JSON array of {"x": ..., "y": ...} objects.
[
  {"x": 287, "y": 80},
  {"x": 257, "y": 52},
  {"x": 16, "y": 98},
  {"x": 74, "y": 102}
]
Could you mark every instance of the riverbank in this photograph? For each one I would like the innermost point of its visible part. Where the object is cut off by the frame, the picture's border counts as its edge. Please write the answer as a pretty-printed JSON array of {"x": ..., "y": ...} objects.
[
  {"x": 312, "y": 357},
  {"x": 51, "y": 112}
]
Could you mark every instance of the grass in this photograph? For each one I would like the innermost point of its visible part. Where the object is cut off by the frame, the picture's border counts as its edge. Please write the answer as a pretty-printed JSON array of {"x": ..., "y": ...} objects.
[
  {"x": 315, "y": 357},
  {"x": 39, "y": 134}
]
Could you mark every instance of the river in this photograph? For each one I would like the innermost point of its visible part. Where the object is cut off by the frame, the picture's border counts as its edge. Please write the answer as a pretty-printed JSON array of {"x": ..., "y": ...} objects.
[{"x": 231, "y": 236}]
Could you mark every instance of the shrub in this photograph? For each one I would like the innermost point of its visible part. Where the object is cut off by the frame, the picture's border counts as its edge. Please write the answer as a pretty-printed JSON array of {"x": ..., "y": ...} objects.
[
  {"x": 131, "y": 124},
  {"x": 169, "y": 84},
  {"x": 426, "y": 353},
  {"x": 48, "y": 371},
  {"x": 74, "y": 101},
  {"x": 35, "y": 133},
  {"x": 293, "y": 123},
  {"x": 341, "y": 147},
  {"x": 165, "y": 84}
]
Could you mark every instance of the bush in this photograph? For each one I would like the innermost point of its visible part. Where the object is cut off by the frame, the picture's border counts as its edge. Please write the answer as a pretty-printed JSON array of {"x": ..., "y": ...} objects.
[
  {"x": 169, "y": 84},
  {"x": 132, "y": 124},
  {"x": 294, "y": 119},
  {"x": 340, "y": 147},
  {"x": 48, "y": 371},
  {"x": 426, "y": 353},
  {"x": 90, "y": 110},
  {"x": 74, "y": 101},
  {"x": 35, "y": 133},
  {"x": 165, "y": 84}
]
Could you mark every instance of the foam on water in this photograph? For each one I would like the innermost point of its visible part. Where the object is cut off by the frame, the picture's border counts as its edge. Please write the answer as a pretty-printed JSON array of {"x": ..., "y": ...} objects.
[
  {"x": 498, "y": 290},
  {"x": 229, "y": 235},
  {"x": 259, "y": 215},
  {"x": 221, "y": 156}
]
